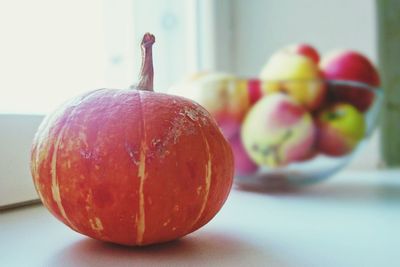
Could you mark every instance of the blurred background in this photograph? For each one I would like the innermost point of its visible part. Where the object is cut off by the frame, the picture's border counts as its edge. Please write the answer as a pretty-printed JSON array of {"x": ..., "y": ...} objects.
[{"x": 52, "y": 50}]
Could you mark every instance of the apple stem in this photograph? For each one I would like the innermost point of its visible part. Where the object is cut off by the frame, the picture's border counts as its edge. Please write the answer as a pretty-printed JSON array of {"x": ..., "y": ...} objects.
[{"x": 146, "y": 71}]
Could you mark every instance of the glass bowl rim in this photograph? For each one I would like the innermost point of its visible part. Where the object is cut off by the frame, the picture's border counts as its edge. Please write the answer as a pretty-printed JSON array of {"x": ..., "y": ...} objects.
[{"x": 334, "y": 82}]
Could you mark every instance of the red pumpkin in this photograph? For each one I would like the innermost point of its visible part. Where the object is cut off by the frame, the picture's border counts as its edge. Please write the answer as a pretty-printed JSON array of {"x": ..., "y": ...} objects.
[{"x": 132, "y": 166}]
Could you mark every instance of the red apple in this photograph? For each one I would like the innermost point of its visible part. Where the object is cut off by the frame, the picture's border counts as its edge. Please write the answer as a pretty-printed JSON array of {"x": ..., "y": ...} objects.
[
  {"x": 254, "y": 90},
  {"x": 340, "y": 128},
  {"x": 352, "y": 66},
  {"x": 311, "y": 155}
]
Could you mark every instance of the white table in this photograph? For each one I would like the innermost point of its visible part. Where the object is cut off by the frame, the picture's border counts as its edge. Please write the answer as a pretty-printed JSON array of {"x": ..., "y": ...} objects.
[{"x": 351, "y": 220}]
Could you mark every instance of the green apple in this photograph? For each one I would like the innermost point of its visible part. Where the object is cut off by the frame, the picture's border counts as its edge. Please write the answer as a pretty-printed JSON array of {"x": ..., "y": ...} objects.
[{"x": 340, "y": 128}]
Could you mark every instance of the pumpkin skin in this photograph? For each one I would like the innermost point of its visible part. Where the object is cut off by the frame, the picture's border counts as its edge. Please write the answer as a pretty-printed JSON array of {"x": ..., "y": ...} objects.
[{"x": 132, "y": 167}]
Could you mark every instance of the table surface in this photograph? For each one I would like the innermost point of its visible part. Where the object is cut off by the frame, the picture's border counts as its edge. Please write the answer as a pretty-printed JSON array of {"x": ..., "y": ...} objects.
[{"x": 353, "y": 219}]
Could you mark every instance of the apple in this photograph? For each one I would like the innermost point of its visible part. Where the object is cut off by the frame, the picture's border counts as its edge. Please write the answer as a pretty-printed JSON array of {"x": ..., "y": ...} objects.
[
  {"x": 295, "y": 75},
  {"x": 254, "y": 90},
  {"x": 277, "y": 131},
  {"x": 310, "y": 156},
  {"x": 340, "y": 128},
  {"x": 243, "y": 163},
  {"x": 221, "y": 94},
  {"x": 303, "y": 49},
  {"x": 351, "y": 66}
]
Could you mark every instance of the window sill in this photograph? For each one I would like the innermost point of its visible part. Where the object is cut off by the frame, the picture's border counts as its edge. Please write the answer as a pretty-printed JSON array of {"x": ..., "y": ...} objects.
[
  {"x": 329, "y": 224},
  {"x": 17, "y": 132}
]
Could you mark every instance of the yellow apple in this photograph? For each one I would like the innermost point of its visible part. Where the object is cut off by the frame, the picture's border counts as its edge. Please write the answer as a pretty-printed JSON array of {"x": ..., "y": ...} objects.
[
  {"x": 278, "y": 131},
  {"x": 296, "y": 75},
  {"x": 303, "y": 49},
  {"x": 221, "y": 94}
]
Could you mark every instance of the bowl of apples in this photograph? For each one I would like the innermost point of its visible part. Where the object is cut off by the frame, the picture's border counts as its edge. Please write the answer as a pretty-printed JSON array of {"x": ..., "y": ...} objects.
[{"x": 300, "y": 121}]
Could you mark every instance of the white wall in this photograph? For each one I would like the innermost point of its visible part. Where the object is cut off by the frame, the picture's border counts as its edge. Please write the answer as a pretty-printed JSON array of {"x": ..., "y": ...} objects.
[{"x": 262, "y": 26}]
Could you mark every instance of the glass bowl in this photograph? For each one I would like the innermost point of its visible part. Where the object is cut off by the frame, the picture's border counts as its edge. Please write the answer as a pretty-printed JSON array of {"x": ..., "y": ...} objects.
[{"x": 343, "y": 117}]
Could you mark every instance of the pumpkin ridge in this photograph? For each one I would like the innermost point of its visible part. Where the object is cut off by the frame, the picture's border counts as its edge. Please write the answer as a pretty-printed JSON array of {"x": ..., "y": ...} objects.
[
  {"x": 55, "y": 189},
  {"x": 140, "y": 215},
  {"x": 208, "y": 172},
  {"x": 94, "y": 221}
]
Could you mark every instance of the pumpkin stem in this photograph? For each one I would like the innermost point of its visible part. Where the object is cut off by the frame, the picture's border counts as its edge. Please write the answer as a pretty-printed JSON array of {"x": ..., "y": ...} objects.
[{"x": 146, "y": 72}]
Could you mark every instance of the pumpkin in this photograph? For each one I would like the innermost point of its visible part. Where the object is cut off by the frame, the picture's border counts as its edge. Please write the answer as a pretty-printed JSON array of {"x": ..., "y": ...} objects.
[{"x": 132, "y": 166}]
